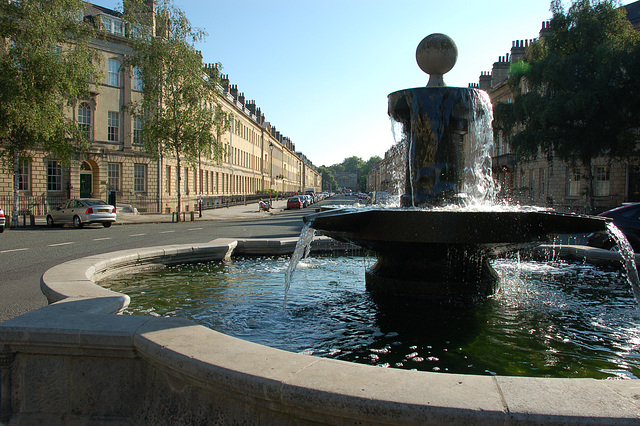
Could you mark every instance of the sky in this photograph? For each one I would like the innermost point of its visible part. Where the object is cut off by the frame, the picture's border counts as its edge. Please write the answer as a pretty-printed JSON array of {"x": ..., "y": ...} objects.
[{"x": 321, "y": 70}]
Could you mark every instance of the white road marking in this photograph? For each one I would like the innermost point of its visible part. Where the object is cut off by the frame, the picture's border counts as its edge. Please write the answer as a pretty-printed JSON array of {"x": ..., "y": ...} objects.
[
  {"x": 62, "y": 244},
  {"x": 194, "y": 229},
  {"x": 168, "y": 232},
  {"x": 101, "y": 239},
  {"x": 8, "y": 251},
  {"x": 137, "y": 235}
]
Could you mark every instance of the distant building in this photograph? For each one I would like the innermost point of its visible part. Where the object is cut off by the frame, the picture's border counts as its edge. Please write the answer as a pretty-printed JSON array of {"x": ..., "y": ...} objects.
[{"x": 346, "y": 180}]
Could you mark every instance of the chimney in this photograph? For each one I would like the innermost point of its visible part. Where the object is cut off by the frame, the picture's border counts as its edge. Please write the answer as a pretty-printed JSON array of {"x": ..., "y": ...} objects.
[
  {"x": 545, "y": 31},
  {"x": 251, "y": 106},
  {"x": 500, "y": 70},
  {"x": 241, "y": 98},
  {"x": 234, "y": 92},
  {"x": 518, "y": 50},
  {"x": 485, "y": 81}
]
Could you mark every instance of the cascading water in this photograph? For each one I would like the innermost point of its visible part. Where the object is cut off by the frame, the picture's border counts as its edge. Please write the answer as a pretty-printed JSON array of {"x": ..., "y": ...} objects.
[
  {"x": 627, "y": 257},
  {"x": 302, "y": 249}
]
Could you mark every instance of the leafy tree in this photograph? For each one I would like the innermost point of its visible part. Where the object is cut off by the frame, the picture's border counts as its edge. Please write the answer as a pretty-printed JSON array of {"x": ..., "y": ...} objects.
[
  {"x": 576, "y": 97},
  {"x": 328, "y": 180},
  {"x": 46, "y": 64},
  {"x": 180, "y": 109}
]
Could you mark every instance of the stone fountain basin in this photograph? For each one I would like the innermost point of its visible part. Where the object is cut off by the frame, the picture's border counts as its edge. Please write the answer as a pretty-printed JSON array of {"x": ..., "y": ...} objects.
[
  {"x": 75, "y": 361},
  {"x": 490, "y": 232}
]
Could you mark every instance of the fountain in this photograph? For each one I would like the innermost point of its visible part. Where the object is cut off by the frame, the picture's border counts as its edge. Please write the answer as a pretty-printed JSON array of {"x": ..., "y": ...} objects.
[
  {"x": 75, "y": 361},
  {"x": 434, "y": 247}
]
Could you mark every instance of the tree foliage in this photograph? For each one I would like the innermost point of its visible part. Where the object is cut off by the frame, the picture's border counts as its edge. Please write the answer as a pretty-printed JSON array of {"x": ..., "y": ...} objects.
[
  {"x": 46, "y": 65},
  {"x": 180, "y": 109},
  {"x": 576, "y": 95},
  {"x": 328, "y": 180}
]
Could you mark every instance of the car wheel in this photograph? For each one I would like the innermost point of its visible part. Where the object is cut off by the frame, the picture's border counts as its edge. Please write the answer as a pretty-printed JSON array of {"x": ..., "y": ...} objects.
[
  {"x": 50, "y": 223},
  {"x": 1, "y": 229},
  {"x": 77, "y": 223},
  {"x": 106, "y": 224}
]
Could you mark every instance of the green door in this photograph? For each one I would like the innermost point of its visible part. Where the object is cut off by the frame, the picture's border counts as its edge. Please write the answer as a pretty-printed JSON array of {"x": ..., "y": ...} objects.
[{"x": 85, "y": 185}]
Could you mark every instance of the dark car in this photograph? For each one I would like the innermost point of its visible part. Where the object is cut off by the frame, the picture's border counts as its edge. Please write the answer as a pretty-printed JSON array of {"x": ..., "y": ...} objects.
[{"x": 627, "y": 219}]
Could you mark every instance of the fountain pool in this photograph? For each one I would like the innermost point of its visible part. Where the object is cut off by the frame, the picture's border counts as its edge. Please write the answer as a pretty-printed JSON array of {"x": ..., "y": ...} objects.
[{"x": 554, "y": 319}]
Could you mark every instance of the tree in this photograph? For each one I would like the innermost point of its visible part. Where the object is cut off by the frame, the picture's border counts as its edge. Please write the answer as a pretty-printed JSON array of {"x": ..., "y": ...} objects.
[
  {"x": 180, "y": 109},
  {"x": 576, "y": 95},
  {"x": 46, "y": 64},
  {"x": 329, "y": 182}
]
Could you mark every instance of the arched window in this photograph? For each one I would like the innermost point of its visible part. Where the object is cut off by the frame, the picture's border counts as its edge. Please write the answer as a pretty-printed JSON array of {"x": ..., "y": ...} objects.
[{"x": 84, "y": 119}]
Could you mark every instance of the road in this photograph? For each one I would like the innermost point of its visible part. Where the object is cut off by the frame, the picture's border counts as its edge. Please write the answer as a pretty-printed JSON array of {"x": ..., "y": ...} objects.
[{"x": 26, "y": 253}]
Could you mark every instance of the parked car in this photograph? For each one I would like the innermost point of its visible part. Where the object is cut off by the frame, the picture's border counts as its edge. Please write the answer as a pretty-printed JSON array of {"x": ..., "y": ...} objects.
[
  {"x": 2, "y": 221},
  {"x": 627, "y": 219},
  {"x": 295, "y": 202},
  {"x": 80, "y": 211}
]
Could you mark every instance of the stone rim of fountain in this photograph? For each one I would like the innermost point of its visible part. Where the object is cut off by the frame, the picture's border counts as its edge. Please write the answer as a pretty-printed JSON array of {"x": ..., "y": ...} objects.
[{"x": 254, "y": 381}]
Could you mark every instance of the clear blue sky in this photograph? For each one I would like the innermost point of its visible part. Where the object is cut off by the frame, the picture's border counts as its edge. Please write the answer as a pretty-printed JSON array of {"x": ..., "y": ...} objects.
[{"x": 321, "y": 70}]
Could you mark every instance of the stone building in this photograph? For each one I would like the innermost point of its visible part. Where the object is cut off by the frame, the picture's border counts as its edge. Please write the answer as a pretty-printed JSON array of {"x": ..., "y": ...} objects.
[
  {"x": 257, "y": 157},
  {"x": 551, "y": 182},
  {"x": 346, "y": 180}
]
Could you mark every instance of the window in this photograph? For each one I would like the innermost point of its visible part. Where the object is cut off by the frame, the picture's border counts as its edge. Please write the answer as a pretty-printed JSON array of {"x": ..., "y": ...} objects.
[
  {"x": 84, "y": 119},
  {"x": 139, "y": 177},
  {"x": 167, "y": 180},
  {"x": 195, "y": 181},
  {"x": 137, "y": 131},
  {"x": 24, "y": 175},
  {"x": 137, "y": 79},
  {"x": 112, "y": 25},
  {"x": 114, "y": 176},
  {"x": 186, "y": 180},
  {"x": 602, "y": 179},
  {"x": 113, "y": 76},
  {"x": 113, "y": 126},
  {"x": 542, "y": 182},
  {"x": 54, "y": 176},
  {"x": 574, "y": 183}
]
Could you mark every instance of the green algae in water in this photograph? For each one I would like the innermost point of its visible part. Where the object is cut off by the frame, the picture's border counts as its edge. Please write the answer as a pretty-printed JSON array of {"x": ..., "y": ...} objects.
[{"x": 549, "y": 320}]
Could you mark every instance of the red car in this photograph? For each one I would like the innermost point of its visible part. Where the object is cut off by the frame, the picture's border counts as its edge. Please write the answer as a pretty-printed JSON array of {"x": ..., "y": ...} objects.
[{"x": 295, "y": 202}]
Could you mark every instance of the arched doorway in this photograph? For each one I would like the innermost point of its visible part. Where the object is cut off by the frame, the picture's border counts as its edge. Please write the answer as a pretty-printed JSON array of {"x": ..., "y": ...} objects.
[{"x": 86, "y": 180}]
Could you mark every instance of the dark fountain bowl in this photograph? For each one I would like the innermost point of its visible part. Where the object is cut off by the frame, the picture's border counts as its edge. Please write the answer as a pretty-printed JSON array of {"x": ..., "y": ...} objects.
[{"x": 443, "y": 254}]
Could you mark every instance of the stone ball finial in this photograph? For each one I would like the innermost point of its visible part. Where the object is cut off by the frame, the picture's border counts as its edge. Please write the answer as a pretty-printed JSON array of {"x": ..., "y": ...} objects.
[{"x": 436, "y": 55}]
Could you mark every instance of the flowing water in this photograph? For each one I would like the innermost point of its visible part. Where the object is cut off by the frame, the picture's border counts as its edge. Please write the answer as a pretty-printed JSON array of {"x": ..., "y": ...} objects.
[{"x": 553, "y": 319}]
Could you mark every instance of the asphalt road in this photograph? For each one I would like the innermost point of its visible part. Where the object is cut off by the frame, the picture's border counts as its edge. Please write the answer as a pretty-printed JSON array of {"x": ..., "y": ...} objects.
[{"x": 26, "y": 253}]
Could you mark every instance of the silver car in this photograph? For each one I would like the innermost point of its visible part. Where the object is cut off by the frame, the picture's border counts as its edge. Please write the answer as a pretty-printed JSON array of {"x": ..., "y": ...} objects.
[{"x": 78, "y": 211}]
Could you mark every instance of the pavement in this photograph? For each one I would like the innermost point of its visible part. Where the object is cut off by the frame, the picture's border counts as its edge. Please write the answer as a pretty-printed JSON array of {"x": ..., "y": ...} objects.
[{"x": 243, "y": 211}]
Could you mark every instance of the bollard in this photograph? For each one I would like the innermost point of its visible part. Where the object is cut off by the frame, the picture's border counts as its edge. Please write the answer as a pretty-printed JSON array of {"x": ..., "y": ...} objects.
[{"x": 193, "y": 216}]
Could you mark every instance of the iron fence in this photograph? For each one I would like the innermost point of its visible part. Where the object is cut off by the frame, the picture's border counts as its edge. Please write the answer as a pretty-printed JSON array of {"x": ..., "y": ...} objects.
[{"x": 37, "y": 205}]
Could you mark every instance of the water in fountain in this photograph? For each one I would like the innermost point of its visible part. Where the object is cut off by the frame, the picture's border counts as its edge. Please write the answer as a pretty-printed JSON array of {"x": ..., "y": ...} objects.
[{"x": 551, "y": 319}]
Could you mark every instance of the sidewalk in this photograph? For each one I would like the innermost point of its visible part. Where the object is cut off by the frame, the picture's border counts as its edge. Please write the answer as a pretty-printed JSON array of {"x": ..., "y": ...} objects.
[{"x": 249, "y": 211}]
